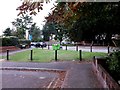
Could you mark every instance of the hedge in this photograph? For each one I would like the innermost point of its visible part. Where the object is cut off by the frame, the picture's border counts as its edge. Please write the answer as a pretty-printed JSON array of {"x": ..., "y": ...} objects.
[
  {"x": 9, "y": 41},
  {"x": 13, "y": 41}
]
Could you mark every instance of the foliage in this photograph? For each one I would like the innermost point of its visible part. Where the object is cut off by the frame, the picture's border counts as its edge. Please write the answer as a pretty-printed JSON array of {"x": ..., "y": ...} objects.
[
  {"x": 49, "y": 30},
  {"x": 30, "y": 6},
  {"x": 26, "y": 23},
  {"x": 35, "y": 32},
  {"x": 22, "y": 24},
  {"x": 52, "y": 28},
  {"x": 86, "y": 20},
  {"x": 9, "y": 41},
  {"x": 114, "y": 62},
  {"x": 96, "y": 18},
  {"x": 7, "y": 32}
]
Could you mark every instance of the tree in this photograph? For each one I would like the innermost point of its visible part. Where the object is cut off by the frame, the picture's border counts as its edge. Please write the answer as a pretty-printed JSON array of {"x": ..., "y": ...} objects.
[
  {"x": 30, "y": 6},
  {"x": 22, "y": 24},
  {"x": 49, "y": 30},
  {"x": 54, "y": 29},
  {"x": 7, "y": 32},
  {"x": 86, "y": 20},
  {"x": 35, "y": 32}
]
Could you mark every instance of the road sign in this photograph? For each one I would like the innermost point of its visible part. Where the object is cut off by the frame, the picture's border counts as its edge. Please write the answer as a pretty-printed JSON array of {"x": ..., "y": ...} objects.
[
  {"x": 56, "y": 46},
  {"x": 30, "y": 37}
]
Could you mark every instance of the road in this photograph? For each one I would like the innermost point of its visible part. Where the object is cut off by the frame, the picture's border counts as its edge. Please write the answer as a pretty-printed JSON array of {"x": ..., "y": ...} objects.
[{"x": 85, "y": 48}]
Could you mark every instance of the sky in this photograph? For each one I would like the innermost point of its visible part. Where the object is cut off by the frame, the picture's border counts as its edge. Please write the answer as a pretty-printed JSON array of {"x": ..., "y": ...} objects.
[{"x": 8, "y": 13}]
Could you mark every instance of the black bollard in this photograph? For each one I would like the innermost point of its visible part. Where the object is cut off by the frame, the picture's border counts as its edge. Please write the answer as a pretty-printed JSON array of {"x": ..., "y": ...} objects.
[
  {"x": 42, "y": 46},
  {"x": 90, "y": 48},
  {"x": 66, "y": 47},
  {"x": 48, "y": 47},
  {"x": 80, "y": 55},
  {"x": 31, "y": 57},
  {"x": 7, "y": 54},
  {"x": 76, "y": 47},
  {"x": 94, "y": 59},
  {"x": 55, "y": 55}
]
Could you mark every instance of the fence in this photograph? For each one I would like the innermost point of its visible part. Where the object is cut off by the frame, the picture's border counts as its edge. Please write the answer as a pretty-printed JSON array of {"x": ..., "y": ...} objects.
[{"x": 106, "y": 80}]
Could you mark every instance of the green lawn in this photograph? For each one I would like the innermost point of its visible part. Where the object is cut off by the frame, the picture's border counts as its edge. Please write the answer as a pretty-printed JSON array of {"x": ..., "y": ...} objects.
[{"x": 40, "y": 55}]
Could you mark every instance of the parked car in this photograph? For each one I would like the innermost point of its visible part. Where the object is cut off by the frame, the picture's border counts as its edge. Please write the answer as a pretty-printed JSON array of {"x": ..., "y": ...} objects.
[
  {"x": 40, "y": 44},
  {"x": 23, "y": 46},
  {"x": 37, "y": 45},
  {"x": 43, "y": 44}
]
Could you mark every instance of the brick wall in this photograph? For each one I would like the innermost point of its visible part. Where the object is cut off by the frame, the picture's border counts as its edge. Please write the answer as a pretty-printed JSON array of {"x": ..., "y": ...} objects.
[{"x": 11, "y": 48}]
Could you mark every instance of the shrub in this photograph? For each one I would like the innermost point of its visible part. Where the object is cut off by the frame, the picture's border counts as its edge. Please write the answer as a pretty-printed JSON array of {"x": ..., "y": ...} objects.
[
  {"x": 9, "y": 41},
  {"x": 113, "y": 62}
]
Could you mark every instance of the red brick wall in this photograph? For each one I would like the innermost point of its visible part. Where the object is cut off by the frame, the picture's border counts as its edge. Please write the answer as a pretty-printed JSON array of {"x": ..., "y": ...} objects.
[{"x": 11, "y": 48}]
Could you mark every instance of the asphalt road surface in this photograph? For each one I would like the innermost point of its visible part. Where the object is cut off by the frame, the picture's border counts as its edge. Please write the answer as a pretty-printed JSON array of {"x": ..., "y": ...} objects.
[{"x": 85, "y": 48}]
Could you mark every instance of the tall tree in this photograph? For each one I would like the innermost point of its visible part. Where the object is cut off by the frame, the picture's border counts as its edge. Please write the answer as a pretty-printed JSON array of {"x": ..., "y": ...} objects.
[
  {"x": 35, "y": 32},
  {"x": 54, "y": 29},
  {"x": 7, "y": 32},
  {"x": 49, "y": 30},
  {"x": 87, "y": 19},
  {"x": 22, "y": 24}
]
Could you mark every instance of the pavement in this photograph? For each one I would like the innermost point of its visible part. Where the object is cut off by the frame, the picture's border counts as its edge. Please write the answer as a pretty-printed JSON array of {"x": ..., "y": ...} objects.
[
  {"x": 27, "y": 79},
  {"x": 78, "y": 74},
  {"x": 81, "y": 75}
]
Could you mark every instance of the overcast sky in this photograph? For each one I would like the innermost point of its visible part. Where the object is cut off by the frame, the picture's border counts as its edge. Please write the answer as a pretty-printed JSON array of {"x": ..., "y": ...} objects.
[{"x": 8, "y": 13}]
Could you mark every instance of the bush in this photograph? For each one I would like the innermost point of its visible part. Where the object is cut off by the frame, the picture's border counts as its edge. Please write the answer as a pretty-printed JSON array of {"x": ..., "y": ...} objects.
[
  {"x": 9, "y": 41},
  {"x": 113, "y": 62}
]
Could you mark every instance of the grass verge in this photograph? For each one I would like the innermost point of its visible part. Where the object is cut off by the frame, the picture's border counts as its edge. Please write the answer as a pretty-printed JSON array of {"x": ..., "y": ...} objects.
[{"x": 44, "y": 55}]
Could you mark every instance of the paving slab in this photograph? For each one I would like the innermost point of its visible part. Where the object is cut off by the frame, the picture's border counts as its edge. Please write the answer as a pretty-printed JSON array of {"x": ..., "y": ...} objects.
[
  {"x": 79, "y": 74},
  {"x": 27, "y": 79}
]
